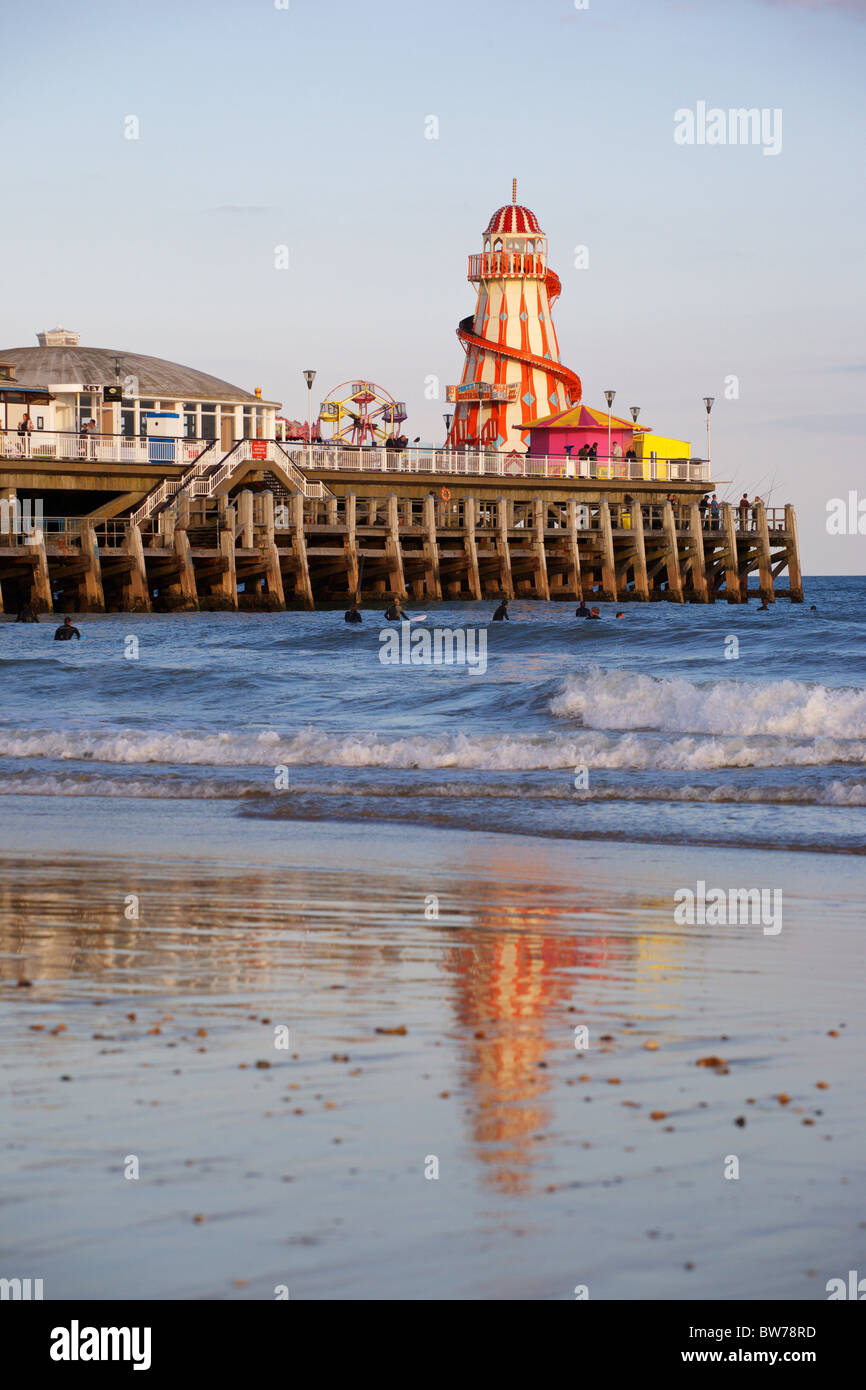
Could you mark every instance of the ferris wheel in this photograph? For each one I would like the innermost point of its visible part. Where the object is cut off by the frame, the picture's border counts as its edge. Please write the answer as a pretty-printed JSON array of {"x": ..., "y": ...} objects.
[{"x": 360, "y": 412}]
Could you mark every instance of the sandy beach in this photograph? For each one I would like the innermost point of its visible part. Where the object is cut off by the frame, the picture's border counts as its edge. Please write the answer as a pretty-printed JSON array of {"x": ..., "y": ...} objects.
[{"x": 431, "y": 984}]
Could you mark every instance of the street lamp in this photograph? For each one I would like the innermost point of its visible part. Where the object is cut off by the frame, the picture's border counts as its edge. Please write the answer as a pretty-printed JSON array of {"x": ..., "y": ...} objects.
[
  {"x": 309, "y": 378},
  {"x": 708, "y": 402},
  {"x": 608, "y": 395},
  {"x": 448, "y": 417}
]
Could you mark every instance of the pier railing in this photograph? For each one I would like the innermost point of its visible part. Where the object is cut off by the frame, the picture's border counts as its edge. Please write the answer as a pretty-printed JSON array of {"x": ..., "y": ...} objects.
[
  {"x": 474, "y": 463},
  {"x": 46, "y": 445}
]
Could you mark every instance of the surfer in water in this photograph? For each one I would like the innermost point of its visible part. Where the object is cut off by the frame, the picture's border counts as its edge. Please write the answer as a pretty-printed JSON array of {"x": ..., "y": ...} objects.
[
  {"x": 501, "y": 613},
  {"x": 353, "y": 614},
  {"x": 395, "y": 613},
  {"x": 66, "y": 632}
]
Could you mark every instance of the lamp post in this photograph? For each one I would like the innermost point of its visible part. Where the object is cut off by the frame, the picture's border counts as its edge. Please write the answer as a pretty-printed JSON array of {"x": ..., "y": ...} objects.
[
  {"x": 609, "y": 396},
  {"x": 635, "y": 412},
  {"x": 708, "y": 402},
  {"x": 309, "y": 378}
]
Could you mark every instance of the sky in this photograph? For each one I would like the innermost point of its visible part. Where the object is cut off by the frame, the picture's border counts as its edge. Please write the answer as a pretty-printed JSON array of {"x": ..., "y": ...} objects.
[{"x": 708, "y": 269}]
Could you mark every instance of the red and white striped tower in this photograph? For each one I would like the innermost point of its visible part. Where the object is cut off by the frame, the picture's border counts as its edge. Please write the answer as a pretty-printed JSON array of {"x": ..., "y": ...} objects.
[{"x": 512, "y": 372}]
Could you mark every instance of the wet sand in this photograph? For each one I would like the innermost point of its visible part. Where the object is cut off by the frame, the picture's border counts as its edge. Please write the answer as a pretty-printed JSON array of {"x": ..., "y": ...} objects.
[{"x": 143, "y": 1037}]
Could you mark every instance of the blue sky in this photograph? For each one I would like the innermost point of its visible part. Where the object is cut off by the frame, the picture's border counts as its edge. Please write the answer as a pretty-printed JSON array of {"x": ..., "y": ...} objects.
[{"x": 305, "y": 127}]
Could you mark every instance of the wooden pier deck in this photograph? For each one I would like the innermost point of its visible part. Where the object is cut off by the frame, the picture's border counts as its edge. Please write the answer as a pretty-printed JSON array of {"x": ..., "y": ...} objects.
[{"x": 261, "y": 546}]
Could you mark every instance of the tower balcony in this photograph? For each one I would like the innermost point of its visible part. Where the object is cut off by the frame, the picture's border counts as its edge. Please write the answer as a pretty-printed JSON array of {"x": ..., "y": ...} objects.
[{"x": 507, "y": 265}]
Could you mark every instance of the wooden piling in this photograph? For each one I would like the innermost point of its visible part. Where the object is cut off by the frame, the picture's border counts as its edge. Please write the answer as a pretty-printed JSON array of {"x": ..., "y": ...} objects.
[
  {"x": 792, "y": 554},
  {"x": 350, "y": 548},
  {"x": 765, "y": 567},
  {"x": 672, "y": 555},
  {"x": 303, "y": 587},
  {"x": 184, "y": 588},
  {"x": 135, "y": 591},
  {"x": 90, "y": 591},
  {"x": 41, "y": 598},
  {"x": 641, "y": 578},
  {"x": 431, "y": 550},
  {"x": 733, "y": 590},
  {"x": 473, "y": 578},
  {"x": 393, "y": 551},
  {"x": 608, "y": 563},
  {"x": 273, "y": 576},
  {"x": 246, "y": 534},
  {"x": 697, "y": 562},
  {"x": 542, "y": 587}
]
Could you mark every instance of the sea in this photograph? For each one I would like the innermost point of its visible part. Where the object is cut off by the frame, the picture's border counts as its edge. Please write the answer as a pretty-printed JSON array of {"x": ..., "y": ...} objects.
[{"x": 712, "y": 725}]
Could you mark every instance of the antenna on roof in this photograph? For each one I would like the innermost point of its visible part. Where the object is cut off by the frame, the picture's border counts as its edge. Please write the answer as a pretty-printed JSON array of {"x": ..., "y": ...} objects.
[{"x": 514, "y": 190}]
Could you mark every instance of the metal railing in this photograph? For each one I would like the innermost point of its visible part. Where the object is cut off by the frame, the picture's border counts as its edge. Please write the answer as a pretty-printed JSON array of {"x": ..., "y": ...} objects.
[
  {"x": 46, "y": 445},
  {"x": 490, "y": 462},
  {"x": 497, "y": 265}
]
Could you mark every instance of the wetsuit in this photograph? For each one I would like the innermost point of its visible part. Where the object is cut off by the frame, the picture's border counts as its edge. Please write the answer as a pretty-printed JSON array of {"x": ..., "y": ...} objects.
[
  {"x": 582, "y": 611},
  {"x": 353, "y": 616},
  {"x": 396, "y": 615},
  {"x": 500, "y": 614},
  {"x": 65, "y": 633}
]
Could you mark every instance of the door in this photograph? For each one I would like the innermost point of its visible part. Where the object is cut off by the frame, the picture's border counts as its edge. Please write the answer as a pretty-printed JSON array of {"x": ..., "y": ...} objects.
[{"x": 227, "y": 433}]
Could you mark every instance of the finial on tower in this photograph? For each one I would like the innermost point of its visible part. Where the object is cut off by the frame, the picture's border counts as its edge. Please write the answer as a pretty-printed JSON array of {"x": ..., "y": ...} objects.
[{"x": 514, "y": 191}]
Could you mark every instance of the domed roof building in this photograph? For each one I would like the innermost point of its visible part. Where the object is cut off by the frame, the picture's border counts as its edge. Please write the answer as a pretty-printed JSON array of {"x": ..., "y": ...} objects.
[{"x": 206, "y": 407}]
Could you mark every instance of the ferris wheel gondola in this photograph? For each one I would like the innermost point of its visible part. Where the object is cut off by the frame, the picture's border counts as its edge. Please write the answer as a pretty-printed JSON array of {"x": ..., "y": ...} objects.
[{"x": 361, "y": 412}]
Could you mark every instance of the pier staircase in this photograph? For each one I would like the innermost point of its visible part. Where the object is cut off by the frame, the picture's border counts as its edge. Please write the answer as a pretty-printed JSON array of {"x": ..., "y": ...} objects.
[{"x": 212, "y": 470}]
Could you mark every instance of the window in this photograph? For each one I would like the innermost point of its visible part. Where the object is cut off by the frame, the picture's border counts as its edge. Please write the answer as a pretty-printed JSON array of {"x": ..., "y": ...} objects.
[
  {"x": 208, "y": 422},
  {"x": 144, "y": 406},
  {"x": 248, "y": 416},
  {"x": 127, "y": 422},
  {"x": 189, "y": 420}
]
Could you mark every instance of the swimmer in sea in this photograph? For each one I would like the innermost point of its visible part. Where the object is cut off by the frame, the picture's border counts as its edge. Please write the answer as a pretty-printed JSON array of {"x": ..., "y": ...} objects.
[
  {"x": 395, "y": 614},
  {"x": 66, "y": 632},
  {"x": 353, "y": 615},
  {"x": 501, "y": 613},
  {"x": 582, "y": 611}
]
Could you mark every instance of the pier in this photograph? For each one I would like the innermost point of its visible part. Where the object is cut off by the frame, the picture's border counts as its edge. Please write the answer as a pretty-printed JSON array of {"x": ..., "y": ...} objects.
[{"x": 269, "y": 526}]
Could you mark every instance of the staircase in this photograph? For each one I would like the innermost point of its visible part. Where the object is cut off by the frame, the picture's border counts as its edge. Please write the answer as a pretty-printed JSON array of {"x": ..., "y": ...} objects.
[{"x": 211, "y": 470}]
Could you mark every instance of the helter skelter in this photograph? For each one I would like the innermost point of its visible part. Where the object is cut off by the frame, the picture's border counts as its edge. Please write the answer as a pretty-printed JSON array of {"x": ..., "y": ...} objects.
[{"x": 512, "y": 371}]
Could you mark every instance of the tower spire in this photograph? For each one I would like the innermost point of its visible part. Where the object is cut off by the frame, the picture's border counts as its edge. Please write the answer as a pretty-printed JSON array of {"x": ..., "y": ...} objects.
[{"x": 514, "y": 191}]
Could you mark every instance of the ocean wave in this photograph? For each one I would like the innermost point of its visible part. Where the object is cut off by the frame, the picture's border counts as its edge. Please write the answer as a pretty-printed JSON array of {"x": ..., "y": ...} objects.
[
  {"x": 484, "y": 752},
  {"x": 839, "y": 792},
  {"x": 626, "y": 700}
]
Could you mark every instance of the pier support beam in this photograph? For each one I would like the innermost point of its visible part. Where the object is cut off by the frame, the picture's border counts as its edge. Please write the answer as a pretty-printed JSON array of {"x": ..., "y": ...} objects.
[
  {"x": 675, "y": 580},
  {"x": 431, "y": 550},
  {"x": 792, "y": 553},
  {"x": 135, "y": 591},
  {"x": 641, "y": 579},
  {"x": 90, "y": 592},
  {"x": 697, "y": 562},
  {"x": 273, "y": 573},
  {"x": 303, "y": 587},
  {"x": 184, "y": 588},
  {"x": 473, "y": 577},
  {"x": 608, "y": 564},
  {"x": 503, "y": 521},
  {"x": 733, "y": 590},
  {"x": 245, "y": 519},
  {"x": 574, "y": 551},
  {"x": 765, "y": 568},
  {"x": 350, "y": 546},
  {"x": 41, "y": 599},
  {"x": 396, "y": 579},
  {"x": 542, "y": 587}
]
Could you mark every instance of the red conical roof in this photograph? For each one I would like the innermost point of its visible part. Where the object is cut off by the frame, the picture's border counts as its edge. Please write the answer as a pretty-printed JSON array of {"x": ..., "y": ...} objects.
[{"x": 513, "y": 217}]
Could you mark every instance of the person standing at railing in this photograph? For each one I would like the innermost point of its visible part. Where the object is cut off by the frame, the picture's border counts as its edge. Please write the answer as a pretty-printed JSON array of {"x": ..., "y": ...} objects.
[
  {"x": 715, "y": 512},
  {"x": 743, "y": 509},
  {"x": 703, "y": 508},
  {"x": 756, "y": 503},
  {"x": 25, "y": 429}
]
